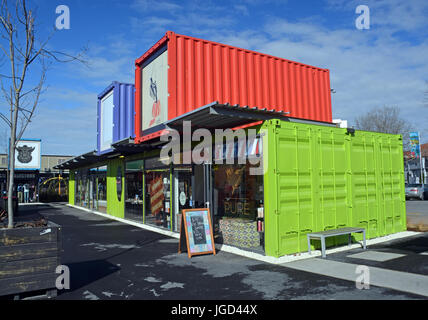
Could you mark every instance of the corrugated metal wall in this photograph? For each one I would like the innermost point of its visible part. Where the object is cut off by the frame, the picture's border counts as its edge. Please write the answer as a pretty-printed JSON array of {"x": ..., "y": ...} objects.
[
  {"x": 320, "y": 178},
  {"x": 123, "y": 113},
  {"x": 202, "y": 72},
  {"x": 124, "y": 122}
]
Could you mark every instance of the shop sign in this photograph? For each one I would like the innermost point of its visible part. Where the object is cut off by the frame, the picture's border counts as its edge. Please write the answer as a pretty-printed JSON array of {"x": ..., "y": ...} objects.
[
  {"x": 415, "y": 145},
  {"x": 237, "y": 207},
  {"x": 155, "y": 91},
  {"x": 106, "y": 130},
  {"x": 27, "y": 155},
  {"x": 182, "y": 198}
]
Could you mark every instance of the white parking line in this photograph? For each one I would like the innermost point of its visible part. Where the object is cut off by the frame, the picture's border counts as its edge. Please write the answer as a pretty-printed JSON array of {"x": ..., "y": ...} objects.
[{"x": 376, "y": 256}]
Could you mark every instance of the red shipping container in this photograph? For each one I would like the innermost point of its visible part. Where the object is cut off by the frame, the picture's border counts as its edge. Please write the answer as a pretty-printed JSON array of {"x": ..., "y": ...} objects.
[{"x": 181, "y": 73}]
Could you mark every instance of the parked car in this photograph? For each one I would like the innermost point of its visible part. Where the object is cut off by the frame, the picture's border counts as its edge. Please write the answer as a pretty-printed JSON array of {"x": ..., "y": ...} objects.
[{"x": 418, "y": 191}]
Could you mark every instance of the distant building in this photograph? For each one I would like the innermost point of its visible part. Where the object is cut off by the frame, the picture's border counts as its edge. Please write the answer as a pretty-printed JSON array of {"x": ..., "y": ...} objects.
[{"x": 33, "y": 177}]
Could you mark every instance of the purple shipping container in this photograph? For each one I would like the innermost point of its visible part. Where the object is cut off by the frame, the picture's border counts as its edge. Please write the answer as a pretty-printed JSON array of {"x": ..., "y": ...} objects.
[{"x": 115, "y": 119}]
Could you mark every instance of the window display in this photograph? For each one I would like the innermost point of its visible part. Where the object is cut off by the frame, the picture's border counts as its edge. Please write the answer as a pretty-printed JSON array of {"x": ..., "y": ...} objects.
[
  {"x": 158, "y": 198},
  {"x": 238, "y": 198}
]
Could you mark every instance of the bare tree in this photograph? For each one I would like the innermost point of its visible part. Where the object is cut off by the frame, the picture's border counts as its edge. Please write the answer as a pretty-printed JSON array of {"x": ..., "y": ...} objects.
[
  {"x": 22, "y": 48},
  {"x": 387, "y": 120}
]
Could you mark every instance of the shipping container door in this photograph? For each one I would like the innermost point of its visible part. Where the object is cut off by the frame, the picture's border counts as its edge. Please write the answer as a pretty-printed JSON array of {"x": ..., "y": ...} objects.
[
  {"x": 400, "y": 223},
  {"x": 372, "y": 201},
  {"x": 305, "y": 186},
  {"x": 359, "y": 183},
  {"x": 288, "y": 189},
  {"x": 340, "y": 166},
  {"x": 387, "y": 188},
  {"x": 327, "y": 205}
]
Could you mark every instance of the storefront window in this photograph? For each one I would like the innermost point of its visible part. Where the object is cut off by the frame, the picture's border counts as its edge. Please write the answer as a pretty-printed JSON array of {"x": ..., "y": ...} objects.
[
  {"x": 238, "y": 196},
  {"x": 134, "y": 190},
  {"x": 101, "y": 188},
  {"x": 158, "y": 204},
  {"x": 91, "y": 188}
]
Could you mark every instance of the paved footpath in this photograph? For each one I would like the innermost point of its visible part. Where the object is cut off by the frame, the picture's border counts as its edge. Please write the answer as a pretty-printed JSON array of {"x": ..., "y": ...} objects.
[{"x": 112, "y": 260}]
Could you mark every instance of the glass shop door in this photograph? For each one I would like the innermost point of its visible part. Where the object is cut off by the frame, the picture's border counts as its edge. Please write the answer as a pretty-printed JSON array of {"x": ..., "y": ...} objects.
[{"x": 183, "y": 195}]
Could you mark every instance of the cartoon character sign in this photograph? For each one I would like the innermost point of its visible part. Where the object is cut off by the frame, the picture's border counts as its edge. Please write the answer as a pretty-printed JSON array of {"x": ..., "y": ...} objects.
[
  {"x": 155, "y": 91},
  {"x": 156, "y": 104}
]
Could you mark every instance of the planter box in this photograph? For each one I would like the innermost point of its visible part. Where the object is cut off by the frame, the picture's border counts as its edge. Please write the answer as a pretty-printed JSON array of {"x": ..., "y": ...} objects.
[{"x": 29, "y": 258}]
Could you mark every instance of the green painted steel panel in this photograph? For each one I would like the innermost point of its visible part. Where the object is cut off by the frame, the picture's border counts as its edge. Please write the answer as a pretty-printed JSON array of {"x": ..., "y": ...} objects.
[
  {"x": 114, "y": 206},
  {"x": 71, "y": 188},
  {"x": 319, "y": 178}
]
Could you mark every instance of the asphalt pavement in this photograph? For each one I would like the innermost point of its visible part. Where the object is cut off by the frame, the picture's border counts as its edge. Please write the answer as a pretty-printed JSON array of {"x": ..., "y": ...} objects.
[{"x": 110, "y": 260}]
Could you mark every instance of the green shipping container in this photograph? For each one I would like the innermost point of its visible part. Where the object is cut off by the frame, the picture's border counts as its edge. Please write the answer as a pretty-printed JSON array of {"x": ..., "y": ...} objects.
[
  {"x": 116, "y": 188},
  {"x": 71, "y": 188},
  {"x": 319, "y": 178}
]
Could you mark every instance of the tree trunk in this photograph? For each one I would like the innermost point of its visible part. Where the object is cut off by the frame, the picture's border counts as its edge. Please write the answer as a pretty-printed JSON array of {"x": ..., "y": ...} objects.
[
  {"x": 11, "y": 181},
  {"x": 11, "y": 168}
]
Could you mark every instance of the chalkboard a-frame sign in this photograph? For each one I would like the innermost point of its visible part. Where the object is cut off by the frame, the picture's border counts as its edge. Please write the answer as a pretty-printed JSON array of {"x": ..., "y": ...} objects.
[{"x": 196, "y": 233}]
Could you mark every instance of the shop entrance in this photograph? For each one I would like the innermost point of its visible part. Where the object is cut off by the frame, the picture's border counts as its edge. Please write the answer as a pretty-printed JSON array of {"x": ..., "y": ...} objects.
[
  {"x": 183, "y": 193},
  {"x": 189, "y": 191}
]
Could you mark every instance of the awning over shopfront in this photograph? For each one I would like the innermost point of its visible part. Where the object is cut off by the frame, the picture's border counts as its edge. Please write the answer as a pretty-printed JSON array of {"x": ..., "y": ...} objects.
[
  {"x": 79, "y": 161},
  {"x": 121, "y": 148},
  {"x": 222, "y": 116},
  {"x": 128, "y": 146}
]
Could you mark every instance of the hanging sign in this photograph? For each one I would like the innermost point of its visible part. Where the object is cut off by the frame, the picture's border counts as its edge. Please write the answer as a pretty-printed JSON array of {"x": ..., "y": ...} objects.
[
  {"x": 196, "y": 232},
  {"x": 27, "y": 155},
  {"x": 415, "y": 145}
]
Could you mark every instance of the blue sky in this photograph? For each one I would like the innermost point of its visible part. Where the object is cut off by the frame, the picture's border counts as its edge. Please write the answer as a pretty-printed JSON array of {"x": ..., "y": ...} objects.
[{"x": 384, "y": 65}]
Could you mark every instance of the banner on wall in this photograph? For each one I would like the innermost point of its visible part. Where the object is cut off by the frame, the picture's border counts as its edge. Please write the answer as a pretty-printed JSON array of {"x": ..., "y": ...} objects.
[
  {"x": 28, "y": 155},
  {"x": 415, "y": 148},
  {"x": 155, "y": 91}
]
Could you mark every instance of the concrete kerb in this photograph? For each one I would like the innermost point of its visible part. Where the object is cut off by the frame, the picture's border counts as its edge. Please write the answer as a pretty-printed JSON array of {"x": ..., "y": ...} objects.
[{"x": 257, "y": 256}]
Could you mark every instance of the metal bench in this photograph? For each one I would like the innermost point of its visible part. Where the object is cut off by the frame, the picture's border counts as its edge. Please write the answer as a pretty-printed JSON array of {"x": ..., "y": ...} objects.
[{"x": 336, "y": 232}]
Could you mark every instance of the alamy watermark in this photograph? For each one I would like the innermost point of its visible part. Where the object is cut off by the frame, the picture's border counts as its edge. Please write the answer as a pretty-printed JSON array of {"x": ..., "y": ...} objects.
[
  {"x": 363, "y": 280},
  {"x": 63, "y": 20},
  {"x": 363, "y": 20},
  {"x": 63, "y": 280},
  {"x": 226, "y": 147}
]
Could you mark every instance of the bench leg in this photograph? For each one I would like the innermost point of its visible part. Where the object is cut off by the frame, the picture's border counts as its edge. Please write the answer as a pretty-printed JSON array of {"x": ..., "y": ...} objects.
[
  {"x": 309, "y": 245},
  {"x": 323, "y": 247},
  {"x": 349, "y": 239}
]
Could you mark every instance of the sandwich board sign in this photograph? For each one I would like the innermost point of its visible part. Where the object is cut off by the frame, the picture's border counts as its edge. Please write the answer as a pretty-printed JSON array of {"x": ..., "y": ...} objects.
[{"x": 196, "y": 233}]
